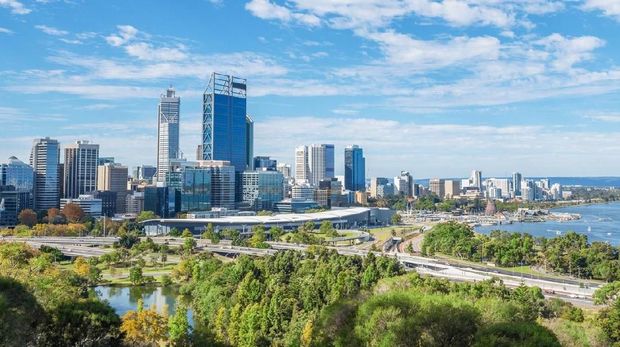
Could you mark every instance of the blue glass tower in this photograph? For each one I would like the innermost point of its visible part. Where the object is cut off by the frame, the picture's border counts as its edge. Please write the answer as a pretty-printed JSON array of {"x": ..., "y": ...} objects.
[
  {"x": 354, "y": 168},
  {"x": 225, "y": 125}
]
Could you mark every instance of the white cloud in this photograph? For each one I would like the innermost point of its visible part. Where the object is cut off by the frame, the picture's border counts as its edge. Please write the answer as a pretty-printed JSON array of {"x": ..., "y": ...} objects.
[
  {"x": 124, "y": 35},
  {"x": 265, "y": 9},
  {"x": 609, "y": 7},
  {"x": 605, "y": 117},
  {"x": 5, "y": 31},
  {"x": 15, "y": 6},
  {"x": 145, "y": 51},
  {"x": 570, "y": 51},
  {"x": 51, "y": 30},
  {"x": 402, "y": 49}
]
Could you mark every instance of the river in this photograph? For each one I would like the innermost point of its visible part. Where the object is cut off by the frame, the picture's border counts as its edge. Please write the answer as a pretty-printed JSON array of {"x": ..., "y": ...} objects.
[
  {"x": 600, "y": 222},
  {"x": 123, "y": 299}
]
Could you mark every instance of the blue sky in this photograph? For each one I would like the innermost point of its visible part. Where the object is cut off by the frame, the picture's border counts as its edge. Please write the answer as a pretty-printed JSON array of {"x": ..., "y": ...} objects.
[{"x": 434, "y": 87}]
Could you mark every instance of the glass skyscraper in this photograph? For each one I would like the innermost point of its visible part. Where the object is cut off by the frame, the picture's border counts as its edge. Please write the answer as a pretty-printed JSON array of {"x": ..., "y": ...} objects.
[
  {"x": 168, "y": 116},
  {"x": 262, "y": 189},
  {"x": 18, "y": 174},
  {"x": 226, "y": 128},
  {"x": 354, "y": 168},
  {"x": 45, "y": 161}
]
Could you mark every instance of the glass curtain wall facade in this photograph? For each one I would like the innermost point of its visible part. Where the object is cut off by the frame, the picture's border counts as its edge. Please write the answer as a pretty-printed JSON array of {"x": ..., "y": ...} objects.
[
  {"x": 225, "y": 123},
  {"x": 45, "y": 161},
  {"x": 354, "y": 168},
  {"x": 262, "y": 189},
  {"x": 193, "y": 186}
]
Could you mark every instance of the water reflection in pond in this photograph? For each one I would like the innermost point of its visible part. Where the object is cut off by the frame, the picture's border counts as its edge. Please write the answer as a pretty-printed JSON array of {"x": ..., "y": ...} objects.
[{"x": 123, "y": 299}]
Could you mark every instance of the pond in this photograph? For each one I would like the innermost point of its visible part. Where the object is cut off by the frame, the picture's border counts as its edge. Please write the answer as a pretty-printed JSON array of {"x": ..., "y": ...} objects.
[{"x": 125, "y": 298}]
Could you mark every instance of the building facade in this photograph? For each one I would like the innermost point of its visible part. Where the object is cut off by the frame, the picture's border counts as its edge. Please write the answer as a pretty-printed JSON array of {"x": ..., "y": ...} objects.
[
  {"x": 403, "y": 184},
  {"x": 265, "y": 163},
  {"x": 225, "y": 123},
  {"x": 88, "y": 203},
  {"x": 262, "y": 189},
  {"x": 80, "y": 169},
  {"x": 168, "y": 120},
  {"x": 45, "y": 161},
  {"x": 354, "y": 168},
  {"x": 193, "y": 185},
  {"x": 223, "y": 182},
  {"x": 113, "y": 177}
]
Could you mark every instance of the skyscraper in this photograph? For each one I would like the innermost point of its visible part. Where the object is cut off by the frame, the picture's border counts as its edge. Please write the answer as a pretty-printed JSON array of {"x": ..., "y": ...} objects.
[
  {"x": 354, "y": 168},
  {"x": 168, "y": 116},
  {"x": 18, "y": 174},
  {"x": 225, "y": 132},
  {"x": 516, "y": 183},
  {"x": 302, "y": 170},
  {"x": 45, "y": 161},
  {"x": 113, "y": 178},
  {"x": 223, "y": 185},
  {"x": 320, "y": 162},
  {"x": 476, "y": 179},
  {"x": 403, "y": 184},
  {"x": 80, "y": 169}
]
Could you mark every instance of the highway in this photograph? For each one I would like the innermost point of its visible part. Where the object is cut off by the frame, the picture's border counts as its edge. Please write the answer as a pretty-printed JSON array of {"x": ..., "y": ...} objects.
[{"x": 92, "y": 247}]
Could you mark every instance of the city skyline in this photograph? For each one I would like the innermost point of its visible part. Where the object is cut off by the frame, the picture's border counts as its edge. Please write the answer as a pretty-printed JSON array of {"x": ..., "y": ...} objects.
[{"x": 435, "y": 91}]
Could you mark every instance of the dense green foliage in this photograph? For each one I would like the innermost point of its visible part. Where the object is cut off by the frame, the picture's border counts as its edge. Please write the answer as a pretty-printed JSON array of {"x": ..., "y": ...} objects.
[
  {"x": 416, "y": 311},
  {"x": 42, "y": 305},
  {"x": 270, "y": 301},
  {"x": 570, "y": 253}
]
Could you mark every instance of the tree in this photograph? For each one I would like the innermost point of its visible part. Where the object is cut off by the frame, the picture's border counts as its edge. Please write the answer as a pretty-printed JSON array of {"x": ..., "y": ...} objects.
[
  {"x": 396, "y": 218},
  {"x": 189, "y": 244},
  {"x": 83, "y": 322},
  {"x": 211, "y": 235},
  {"x": 258, "y": 237},
  {"x": 187, "y": 233},
  {"x": 73, "y": 213},
  {"x": 28, "y": 217},
  {"x": 128, "y": 240},
  {"x": 276, "y": 233},
  {"x": 609, "y": 321},
  {"x": 179, "y": 328},
  {"x": 328, "y": 229},
  {"x": 146, "y": 215},
  {"x": 145, "y": 327},
  {"x": 135, "y": 275},
  {"x": 54, "y": 216}
]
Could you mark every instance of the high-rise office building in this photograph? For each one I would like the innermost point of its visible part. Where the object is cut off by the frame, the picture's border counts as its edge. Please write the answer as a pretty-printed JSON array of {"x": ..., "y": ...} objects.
[
  {"x": 193, "y": 186},
  {"x": 321, "y": 162},
  {"x": 145, "y": 172},
  {"x": 18, "y": 174},
  {"x": 80, "y": 169},
  {"x": 225, "y": 132},
  {"x": 437, "y": 187},
  {"x": 168, "y": 120},
  {"x": 476, "y": 179},
  {"x": 45, "y": 161},
  {"x": 376, "y": 184},
  {"x": 452, "y": 188},
  {"x": 285, "y": 169},
  {"x": 223, "y": 179},
  {"x": 403, "y": 184},
  {"x": 302, "y": 170},
  {"x": 354, "y": 168},
  {"x": 262, "y": 189},
  {"x": 113, "y": 178},
  {"x": 249, "y": 146},
  {"x": 265, "y": 164},
  {"x": 516, "y": 183},
  {"x": 12, "y": 202}
]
